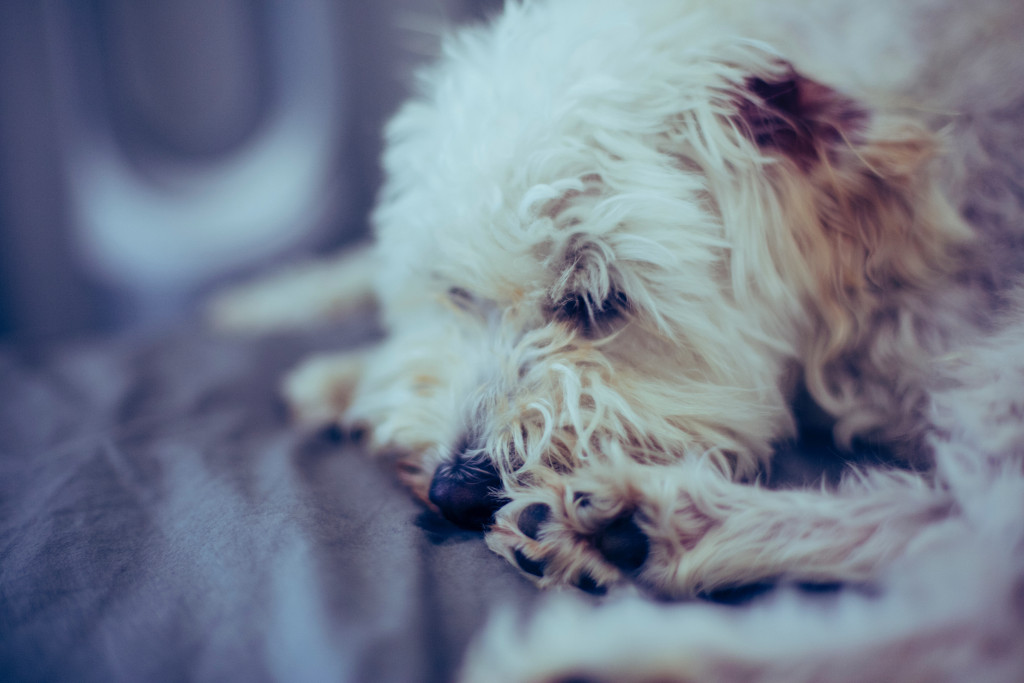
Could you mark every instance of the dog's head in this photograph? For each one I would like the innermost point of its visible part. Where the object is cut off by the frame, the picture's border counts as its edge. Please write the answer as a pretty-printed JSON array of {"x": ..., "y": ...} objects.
[{"x": 632, "y": 234}]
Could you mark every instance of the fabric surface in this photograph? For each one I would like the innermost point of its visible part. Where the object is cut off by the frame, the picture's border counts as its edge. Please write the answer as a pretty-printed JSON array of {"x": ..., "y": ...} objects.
[{"x": 160, "y": 520}]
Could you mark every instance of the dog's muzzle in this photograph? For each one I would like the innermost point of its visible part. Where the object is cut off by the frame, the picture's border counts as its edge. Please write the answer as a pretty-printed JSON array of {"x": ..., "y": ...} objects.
[{"x": 467, "y": 491}]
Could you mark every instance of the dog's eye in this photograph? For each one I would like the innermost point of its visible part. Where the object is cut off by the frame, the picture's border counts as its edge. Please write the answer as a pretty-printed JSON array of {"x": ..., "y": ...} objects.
[
  {"x": 470, "y": 303},
  {"x": 461, "y": 298},
  {"x": 594, "y": 318}
]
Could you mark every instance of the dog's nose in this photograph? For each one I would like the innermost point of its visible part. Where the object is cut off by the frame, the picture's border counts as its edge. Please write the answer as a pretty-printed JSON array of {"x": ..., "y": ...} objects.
[{"x": 467, "y": 491}]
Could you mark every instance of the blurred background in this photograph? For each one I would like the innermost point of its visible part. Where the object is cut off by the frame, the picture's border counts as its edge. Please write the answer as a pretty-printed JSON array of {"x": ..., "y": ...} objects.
[{"x": 151, "y": 151}]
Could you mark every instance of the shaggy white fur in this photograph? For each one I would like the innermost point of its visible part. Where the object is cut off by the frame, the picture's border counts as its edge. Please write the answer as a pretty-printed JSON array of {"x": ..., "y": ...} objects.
[
  {"x": 616, "y": 240},
  {"x": 950, "y": 608}
]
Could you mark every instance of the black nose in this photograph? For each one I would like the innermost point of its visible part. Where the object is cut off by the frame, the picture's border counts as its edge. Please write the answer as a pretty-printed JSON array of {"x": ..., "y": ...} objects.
[{"x": 467, "y": 490}]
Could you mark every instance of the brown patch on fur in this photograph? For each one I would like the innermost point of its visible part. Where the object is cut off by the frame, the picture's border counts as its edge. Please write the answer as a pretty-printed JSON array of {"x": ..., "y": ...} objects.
[
  {"x": 881, "y": 225},
  {"x": 798, "y": 117}
]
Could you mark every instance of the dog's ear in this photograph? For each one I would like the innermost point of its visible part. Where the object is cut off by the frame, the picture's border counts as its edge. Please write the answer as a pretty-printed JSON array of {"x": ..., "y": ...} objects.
[
  {"x": 863, "y": 216},
  {"x": 863, "y": 201},
  {"x": 789, "y": 114}
]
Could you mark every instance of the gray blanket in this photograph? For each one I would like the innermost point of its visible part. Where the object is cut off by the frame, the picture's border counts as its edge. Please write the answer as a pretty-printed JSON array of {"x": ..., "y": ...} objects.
[{"x": 159, "y": 520}]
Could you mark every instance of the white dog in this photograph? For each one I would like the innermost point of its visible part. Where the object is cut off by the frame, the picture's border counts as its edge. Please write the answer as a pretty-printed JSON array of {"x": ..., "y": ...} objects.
[{"x": 616, "y": 240}]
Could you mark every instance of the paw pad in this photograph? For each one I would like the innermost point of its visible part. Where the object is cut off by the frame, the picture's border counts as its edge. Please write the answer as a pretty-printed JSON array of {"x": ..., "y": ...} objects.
[
  {"x": 534, "y": 567},
  {"x": 588, "y": 584},
  {"x": 531, "y": 519},
  {"x": 623, "y": 544}
]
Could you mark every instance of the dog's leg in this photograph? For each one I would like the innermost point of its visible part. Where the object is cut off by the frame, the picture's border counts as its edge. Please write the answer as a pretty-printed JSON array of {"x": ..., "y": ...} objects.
[
  {"x": 687, "y": 529},
  {"x": 319, "y": 390},
  {"x": 298, "y": 297}
]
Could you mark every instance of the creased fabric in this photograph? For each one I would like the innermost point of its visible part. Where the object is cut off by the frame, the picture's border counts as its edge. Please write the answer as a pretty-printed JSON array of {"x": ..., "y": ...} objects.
[{"x": 160, "y": 520}]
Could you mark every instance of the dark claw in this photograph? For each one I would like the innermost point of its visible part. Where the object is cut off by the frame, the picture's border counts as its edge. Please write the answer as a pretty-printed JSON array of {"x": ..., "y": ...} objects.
[
  {"x": 535, "y": 567},
  {"x": 333, "y": 433},
  {"x": 588, "y": 584},
  {"x": 738, "y": 595},
  {"x": 358, "y": 432},
  {"x": 623, "y": 544},
  {"x": 467, "y": 491},
  {"x": 337, "y": 433},
  {"x": 532, "y": 517}
]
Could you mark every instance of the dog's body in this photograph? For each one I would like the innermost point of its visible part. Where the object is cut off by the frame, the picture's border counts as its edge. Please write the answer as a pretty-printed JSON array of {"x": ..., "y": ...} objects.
[{"x": 617, "y": 239}]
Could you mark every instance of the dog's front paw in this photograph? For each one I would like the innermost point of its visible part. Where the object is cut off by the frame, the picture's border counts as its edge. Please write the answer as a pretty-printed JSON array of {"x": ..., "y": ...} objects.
[
  {"x": 319, "y": 390},
  {"x": 574, "y": 535},
  {"x": 687, "y": 530},
  {"x": 331, "y": 395},
  {"x": 624, "y": 523}
]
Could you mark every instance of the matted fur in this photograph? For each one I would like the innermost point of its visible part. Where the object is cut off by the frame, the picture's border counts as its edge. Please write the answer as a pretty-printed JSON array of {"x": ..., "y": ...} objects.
[{"x": 616, "y": 240}]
